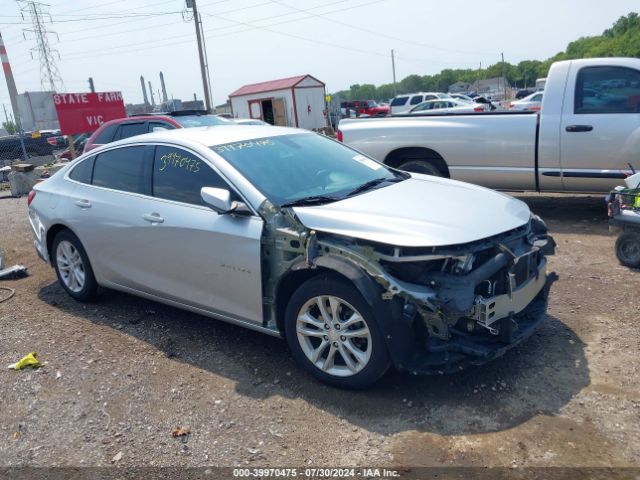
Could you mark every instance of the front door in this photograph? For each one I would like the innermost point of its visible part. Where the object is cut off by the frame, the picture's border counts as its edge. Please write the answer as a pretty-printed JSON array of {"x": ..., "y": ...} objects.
[
  {"x": 597, "y": 135},
  {"x": 190, "y": 253}
]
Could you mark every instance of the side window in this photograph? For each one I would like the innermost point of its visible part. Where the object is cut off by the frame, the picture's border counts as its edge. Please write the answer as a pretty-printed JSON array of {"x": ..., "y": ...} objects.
[
  {"x": 160, "y": 126},
  {"x": 122, "y": 169},
  {"x": 131, "y": 130},
  {"x": 430, "y": 97},
  {"x": 83, "y": 171},
  {"x": 179, "y": 175},
  {"x": 416, "y": 100},
  {"x": 607, "y": 90},
  {"x": 106, "y": 135},
  {"x": 399, "y": 101}
]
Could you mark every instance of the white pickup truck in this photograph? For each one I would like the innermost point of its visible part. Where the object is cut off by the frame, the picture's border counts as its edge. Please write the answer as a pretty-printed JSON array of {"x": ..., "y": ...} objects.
[{"x": 584, "y": 139}]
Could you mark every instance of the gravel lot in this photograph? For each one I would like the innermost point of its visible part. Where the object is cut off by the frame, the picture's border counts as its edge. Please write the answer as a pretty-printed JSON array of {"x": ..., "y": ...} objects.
[{"x": 123, "y": 372}]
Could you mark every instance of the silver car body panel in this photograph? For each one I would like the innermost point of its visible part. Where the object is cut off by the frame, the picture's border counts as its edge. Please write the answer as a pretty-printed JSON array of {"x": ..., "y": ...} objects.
[{"x": 412, "y": 214}]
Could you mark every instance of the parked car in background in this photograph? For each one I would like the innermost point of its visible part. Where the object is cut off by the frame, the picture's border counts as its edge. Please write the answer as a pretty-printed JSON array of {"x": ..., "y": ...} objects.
[
  {"x": 524, "y": 92},
  {"x": 574, "y": 144},
  {"x": 122, "y": 128},
  {"x": 249, "y": 121},
  {"x": 461, "y": 97},
  {"x": 35, "y": 146},
  {"x": 332, "y": 255},
  {"x": 532, "y": 103},
  {"x": 404, "y": 103},
  {"x": 365, "y": 107},
  {"x": 79, "y": 142},
  {"x": 447, "y": 106}
]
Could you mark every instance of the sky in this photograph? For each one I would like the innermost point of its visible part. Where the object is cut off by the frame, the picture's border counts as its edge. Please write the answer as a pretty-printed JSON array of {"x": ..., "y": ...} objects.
[{"x": 340, "y": 42}]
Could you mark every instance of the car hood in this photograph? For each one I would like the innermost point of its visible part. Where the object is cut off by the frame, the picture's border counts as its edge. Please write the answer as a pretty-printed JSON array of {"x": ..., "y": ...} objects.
[{"x": 422, "y": 211}]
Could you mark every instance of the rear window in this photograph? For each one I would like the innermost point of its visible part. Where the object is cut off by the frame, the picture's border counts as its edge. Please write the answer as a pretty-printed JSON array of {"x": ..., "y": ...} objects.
[
  {"x": 189, "y": 121},
  {"x": 122, "y": 169},
  {"x": 131, "y": 130},
  {"x": 106, "y": 135},
  {"x": 399, "y": 101},
  {"x": 82, "y": 172}
]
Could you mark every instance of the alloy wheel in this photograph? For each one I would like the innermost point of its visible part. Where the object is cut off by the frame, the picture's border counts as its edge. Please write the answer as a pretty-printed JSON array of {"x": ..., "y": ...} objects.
[
  {"x": 70, "y": 266},
  {"x": 334, "y": 336}
]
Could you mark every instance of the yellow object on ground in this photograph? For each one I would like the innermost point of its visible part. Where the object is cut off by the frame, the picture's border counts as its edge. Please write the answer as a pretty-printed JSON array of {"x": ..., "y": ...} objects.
[{"x": 28, "y": 361}]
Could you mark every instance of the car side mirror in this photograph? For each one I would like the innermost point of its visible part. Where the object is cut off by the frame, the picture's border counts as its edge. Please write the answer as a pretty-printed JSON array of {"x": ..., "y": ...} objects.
[{"x": 219, "y": 199}]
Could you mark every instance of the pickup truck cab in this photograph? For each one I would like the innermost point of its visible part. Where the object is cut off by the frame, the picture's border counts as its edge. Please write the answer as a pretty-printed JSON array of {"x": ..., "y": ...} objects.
[{"x": 583, "y": 139}]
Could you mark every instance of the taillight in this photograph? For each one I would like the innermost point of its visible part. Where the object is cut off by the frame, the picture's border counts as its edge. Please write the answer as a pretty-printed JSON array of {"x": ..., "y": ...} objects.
[
  {"x": 53, "y": 141},
  {"x": 511, "y": 105},
  {"x": 339, "y": 136},
  {"x": 30, "y": 197},
  {"x": 478, "y": 109}
]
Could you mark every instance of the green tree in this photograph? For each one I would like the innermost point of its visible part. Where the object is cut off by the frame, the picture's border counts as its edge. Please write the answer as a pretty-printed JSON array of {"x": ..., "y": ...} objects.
[{"x": 10, "y": 127}]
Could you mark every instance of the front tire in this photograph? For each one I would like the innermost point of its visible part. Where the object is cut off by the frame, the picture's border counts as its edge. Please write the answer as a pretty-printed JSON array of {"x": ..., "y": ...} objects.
[
  {"x": 333, "y": 333},
  {"x": 72, "y": 267},
  {"x": 628, "y": 249}
]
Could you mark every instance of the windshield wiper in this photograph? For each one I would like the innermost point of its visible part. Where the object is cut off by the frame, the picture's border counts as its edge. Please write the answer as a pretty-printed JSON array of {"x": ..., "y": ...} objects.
[
  {"x": 372, "y": 183},
  {"x": 313, "y": 200}
]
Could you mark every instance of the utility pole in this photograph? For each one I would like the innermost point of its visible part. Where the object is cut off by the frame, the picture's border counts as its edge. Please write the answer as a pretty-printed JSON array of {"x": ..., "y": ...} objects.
[
  {"x": 6, "y": 117},
  {"x": 49, "y": 75},
  {"x": 13, "y": 93},
  {"x": 91, "y": 87},
  {"x": 504, "y": 78},
  {"x": 203, "y": 69},
  {"x": 393, "y": 67}
]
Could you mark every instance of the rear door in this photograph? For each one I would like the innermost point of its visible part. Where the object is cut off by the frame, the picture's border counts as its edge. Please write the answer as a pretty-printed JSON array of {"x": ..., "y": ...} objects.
[
  {"x": 600, "y": 127},
  {"x": 109, "y": 211}
]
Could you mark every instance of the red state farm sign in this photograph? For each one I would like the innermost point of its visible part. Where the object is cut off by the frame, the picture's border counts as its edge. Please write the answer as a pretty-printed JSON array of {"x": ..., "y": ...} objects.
[{"x": 85, "y": 112}]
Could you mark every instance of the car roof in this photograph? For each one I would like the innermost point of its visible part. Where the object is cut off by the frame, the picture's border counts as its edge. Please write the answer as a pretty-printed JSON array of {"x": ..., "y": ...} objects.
[{"x": 213, "y": 135}]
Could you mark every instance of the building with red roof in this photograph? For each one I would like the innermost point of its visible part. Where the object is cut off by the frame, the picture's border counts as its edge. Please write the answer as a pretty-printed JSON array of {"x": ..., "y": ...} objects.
[{"x": 289, "y": 102}]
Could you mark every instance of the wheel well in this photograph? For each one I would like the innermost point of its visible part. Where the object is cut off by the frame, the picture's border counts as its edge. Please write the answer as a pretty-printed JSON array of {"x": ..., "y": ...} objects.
[
  {"x": 290, "y": 282},
  {"x": 401, "y": 155},
  {"x": 51, "y": 234}
]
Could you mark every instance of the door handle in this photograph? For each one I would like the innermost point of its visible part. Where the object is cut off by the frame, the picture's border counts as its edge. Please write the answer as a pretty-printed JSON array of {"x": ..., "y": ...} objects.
[
  {"x": 83, "y": 203},
  {"x": 579, "y": 128},
  {"x": 153, "y": 217}
]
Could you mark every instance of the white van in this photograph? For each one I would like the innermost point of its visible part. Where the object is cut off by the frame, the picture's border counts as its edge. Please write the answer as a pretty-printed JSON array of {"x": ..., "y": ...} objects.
[{"x": 404, "y": 103}]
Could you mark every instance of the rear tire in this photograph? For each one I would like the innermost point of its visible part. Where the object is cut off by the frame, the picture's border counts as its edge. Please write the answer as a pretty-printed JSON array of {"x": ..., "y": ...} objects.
[
  {"x": 424, "y": 167},
  {"x": 628, "y": 249},
  {"x": 72, "y": 267},
  {"x": 333, "y": 333}
]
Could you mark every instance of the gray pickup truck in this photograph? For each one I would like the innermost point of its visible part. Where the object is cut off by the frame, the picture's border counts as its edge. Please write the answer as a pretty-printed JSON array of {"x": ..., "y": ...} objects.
[{"x": 584, "y": 139}]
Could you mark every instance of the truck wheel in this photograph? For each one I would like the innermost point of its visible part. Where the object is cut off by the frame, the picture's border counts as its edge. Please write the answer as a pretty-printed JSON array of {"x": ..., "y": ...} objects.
[
  {"x": 333, "y": 333},
  {"x": 421, "y": 166},
  {"x": 72, "y": 267},
  {"x": 628, "y": 249}
]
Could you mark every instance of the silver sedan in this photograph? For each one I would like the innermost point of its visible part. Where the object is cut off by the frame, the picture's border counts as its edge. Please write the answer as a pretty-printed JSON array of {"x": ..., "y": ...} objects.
[{"x": 290, "y": 233}]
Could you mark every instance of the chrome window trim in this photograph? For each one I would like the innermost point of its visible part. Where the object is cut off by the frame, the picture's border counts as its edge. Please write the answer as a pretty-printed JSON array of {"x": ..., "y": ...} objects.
[{"x": 174, "y": 202}]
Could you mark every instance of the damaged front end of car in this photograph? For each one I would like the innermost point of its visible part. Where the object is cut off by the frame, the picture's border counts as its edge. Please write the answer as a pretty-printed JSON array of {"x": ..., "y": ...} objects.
[{"x": 439, "y": 308}]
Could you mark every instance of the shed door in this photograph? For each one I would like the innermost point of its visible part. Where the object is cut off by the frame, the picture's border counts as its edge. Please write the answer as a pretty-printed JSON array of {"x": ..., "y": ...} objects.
[
  {"x": 255, "y": 110},
  {"x": 279, "y": 112}
]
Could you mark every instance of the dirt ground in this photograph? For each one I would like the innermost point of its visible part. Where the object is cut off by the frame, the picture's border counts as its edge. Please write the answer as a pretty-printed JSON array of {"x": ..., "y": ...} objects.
[{"x": 123, "y": 372}]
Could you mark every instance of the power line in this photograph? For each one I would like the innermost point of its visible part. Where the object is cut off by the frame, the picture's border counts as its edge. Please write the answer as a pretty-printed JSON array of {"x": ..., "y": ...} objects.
[
  {"x": 50, "y": 78},
  {"x": 379, "y": 33}
]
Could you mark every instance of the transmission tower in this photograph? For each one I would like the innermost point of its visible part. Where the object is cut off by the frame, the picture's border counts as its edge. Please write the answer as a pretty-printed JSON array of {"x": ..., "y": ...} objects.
[{"x": 38, "y": 13}]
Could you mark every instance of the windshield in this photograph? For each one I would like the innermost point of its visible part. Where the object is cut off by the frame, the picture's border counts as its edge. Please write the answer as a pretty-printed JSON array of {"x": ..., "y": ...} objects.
[
  {"x": 189, "y": 121},
  {"x": 290, "y": 168}
]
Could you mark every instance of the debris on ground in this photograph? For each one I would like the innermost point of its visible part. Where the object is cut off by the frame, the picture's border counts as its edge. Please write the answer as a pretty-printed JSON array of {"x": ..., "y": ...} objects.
[
  {"x": 6, "y": 297},
  {"x": 13, "y": 273},
  {"x": 180, "y": 432},
  {"x": 28, "y": 361}
]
